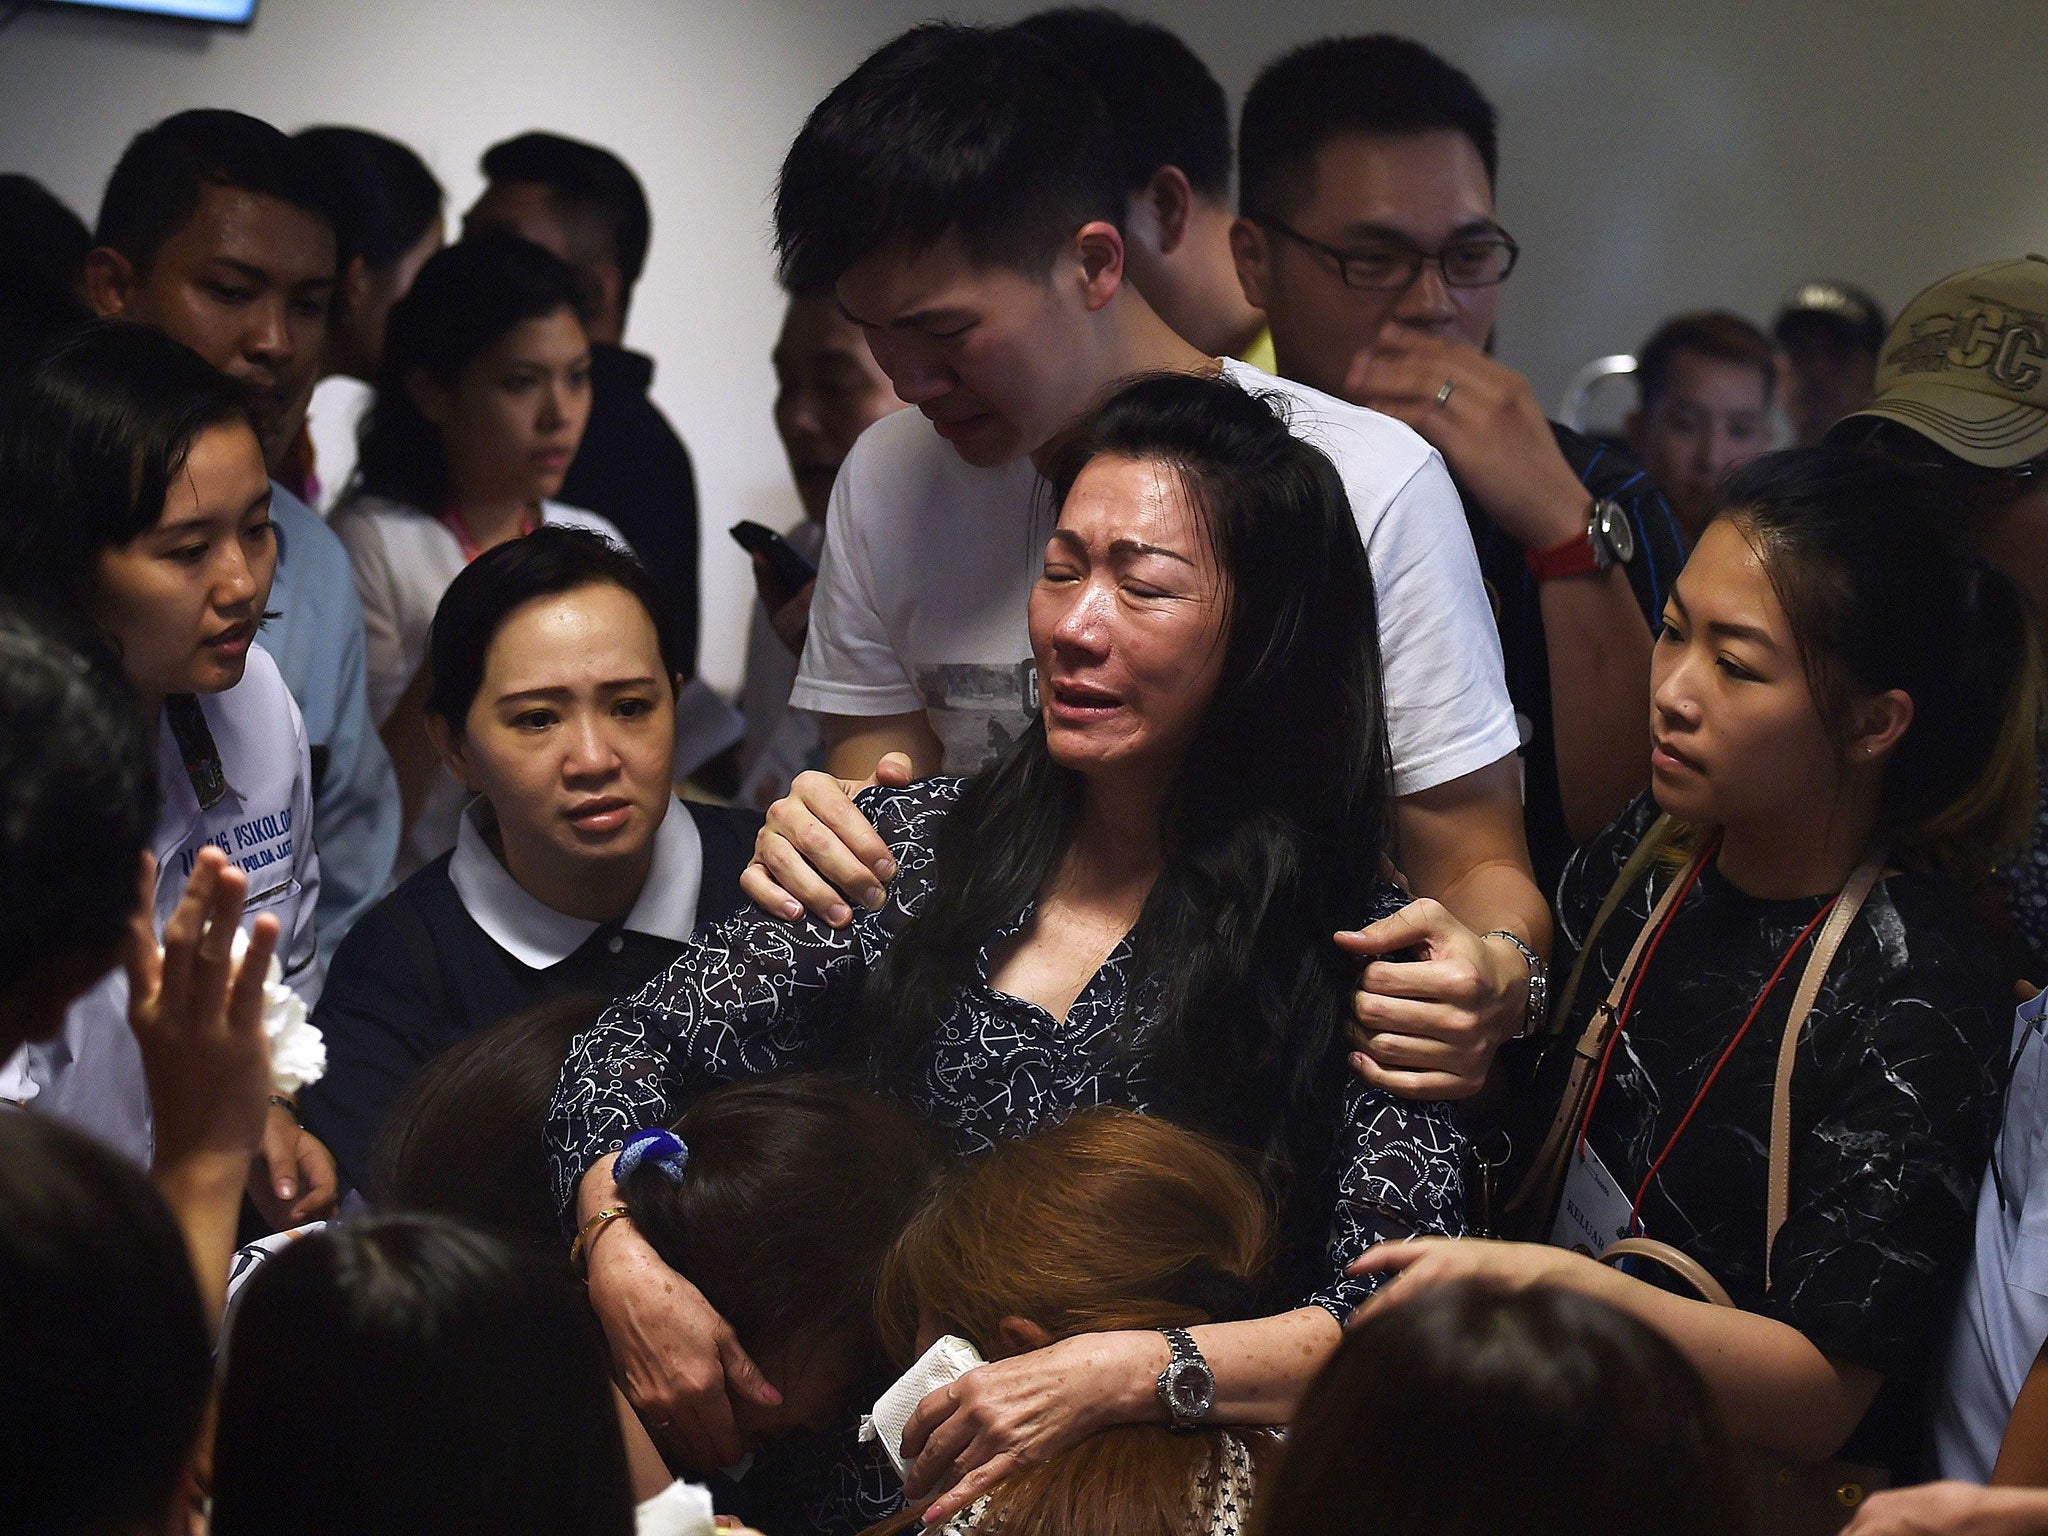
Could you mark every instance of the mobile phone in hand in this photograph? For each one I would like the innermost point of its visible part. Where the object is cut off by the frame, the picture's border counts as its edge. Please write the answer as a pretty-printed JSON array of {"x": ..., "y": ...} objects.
[{"x": 788, "y": 570}]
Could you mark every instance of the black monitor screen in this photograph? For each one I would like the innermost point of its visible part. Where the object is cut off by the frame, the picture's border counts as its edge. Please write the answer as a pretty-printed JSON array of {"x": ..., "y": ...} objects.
[{"x": 231, "y": 12}]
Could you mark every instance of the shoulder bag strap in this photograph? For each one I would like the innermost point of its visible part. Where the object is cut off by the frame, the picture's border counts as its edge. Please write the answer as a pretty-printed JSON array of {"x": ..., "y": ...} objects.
[
  {"x": 1679, "y": 1262},
  {"x": 1539, "y": 1189},
  {"x": 1647, "y": 848},
  {"x": 1847, "y": 905}
]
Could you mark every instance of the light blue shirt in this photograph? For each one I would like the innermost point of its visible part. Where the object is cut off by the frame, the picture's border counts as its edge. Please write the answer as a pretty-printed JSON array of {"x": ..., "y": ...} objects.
[
  {"x": 317, "y": 641},
  {"x": 2003, "y": 1319}
]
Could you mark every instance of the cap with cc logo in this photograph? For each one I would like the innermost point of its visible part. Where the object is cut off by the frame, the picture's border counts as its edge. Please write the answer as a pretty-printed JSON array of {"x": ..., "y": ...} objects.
[{"x": 1966, "y": 365}]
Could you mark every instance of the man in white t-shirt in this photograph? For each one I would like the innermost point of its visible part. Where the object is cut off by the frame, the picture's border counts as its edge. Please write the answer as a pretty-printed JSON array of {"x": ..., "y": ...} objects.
[{"x": 961, "y": 193}]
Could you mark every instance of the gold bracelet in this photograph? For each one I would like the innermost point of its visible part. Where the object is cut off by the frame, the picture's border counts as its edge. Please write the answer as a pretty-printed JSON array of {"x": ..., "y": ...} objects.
[{"x": 579, "y": 1251}]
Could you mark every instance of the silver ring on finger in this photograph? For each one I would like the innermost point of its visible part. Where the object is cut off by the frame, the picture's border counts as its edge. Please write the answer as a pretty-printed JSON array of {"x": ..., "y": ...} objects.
[{"x": 1443, "y": 396}]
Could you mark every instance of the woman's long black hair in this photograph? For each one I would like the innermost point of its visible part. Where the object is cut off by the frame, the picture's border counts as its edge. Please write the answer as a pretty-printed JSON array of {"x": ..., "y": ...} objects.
[
  {"x": 468, "y": 297},
  {"x": 1274, "y": 824}
]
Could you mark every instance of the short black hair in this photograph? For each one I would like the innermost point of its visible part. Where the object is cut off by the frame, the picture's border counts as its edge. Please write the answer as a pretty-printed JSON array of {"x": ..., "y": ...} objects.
[
  {"x": 412, "y": 1376},
  {"x": 1715, "y": 333},
  {"x": 550, "y": 560},
  {"x": 1380, "y": 84},
  {"x": 589, "y": 184},
  {"x": 89, "y": 444},
  {"x": 78, "y": 795},
  {"x": 468, "y": 297},
  {"x": 384, "y": 197},
  {"x": 40, "y": 232},
  {"x": 161, "y": 175},
  {"x": 1167, "y": 107},
  {"x": 104, "y": 1344},
  {"x": 978, "y": 132}
]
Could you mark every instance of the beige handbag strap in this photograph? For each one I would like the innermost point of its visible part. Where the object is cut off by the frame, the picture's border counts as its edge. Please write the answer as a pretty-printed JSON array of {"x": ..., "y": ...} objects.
[
  {"x": 1679, "y": 1262},
  {"x": 1847, "y": 905},
  {"x": 1543, "y": 1173},
  {"x": 1646, "y": 849}
]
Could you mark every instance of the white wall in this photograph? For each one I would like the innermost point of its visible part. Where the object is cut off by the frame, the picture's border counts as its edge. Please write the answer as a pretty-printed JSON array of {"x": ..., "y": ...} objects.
[{"x": 1656, "y": 155}]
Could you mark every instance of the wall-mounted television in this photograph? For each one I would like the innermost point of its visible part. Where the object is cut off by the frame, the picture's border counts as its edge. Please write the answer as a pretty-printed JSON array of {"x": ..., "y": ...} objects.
[{"x": 230, "y": 13}]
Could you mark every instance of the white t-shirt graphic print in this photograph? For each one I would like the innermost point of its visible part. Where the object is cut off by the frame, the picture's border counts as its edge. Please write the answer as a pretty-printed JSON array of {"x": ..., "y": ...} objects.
[{"x": 929, "y": 562}]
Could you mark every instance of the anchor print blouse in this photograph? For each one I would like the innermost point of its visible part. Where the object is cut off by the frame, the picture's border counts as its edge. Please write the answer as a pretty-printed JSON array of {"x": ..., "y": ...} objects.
[{"x": 757, "y": 993}]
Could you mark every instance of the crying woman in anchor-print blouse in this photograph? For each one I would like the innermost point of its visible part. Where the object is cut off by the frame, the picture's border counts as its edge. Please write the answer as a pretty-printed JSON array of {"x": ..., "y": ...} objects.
[
  {"x": 1896, "y": 1085},
  {"x": 755, "y": 995}
]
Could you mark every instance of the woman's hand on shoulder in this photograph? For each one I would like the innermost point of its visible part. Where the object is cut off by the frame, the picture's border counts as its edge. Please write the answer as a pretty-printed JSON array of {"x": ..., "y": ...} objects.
[
  {"x": 678, "y": 1361},
  {"x": 1014, "y": 1413},
  {"x": 817, "y": 852},
  {"x": 1427, "y": 1027}
]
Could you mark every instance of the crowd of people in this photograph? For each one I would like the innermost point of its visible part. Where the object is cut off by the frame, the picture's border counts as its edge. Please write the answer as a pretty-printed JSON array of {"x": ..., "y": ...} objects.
[{"x": 1290, "y": 946}]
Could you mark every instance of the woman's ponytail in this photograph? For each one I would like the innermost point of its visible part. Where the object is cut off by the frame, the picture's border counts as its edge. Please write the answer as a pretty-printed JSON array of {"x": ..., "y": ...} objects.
[{"x": 1999, "y": 657}]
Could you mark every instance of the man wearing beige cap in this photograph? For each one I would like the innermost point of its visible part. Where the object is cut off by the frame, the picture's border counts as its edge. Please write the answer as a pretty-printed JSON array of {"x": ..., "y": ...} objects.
[{"x": 1962, "y": 387}]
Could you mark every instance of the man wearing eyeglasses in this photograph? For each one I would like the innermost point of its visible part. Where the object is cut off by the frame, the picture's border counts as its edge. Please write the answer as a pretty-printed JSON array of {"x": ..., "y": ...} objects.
[{"x": 1365, "y": 181}]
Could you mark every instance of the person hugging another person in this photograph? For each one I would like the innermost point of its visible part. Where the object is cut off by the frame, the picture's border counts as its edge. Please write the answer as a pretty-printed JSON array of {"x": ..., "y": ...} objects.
[
  {"x": 480, "y": 408},
  {"x": 134, "y": 505},
  {"x": 555, "y": 663},
  {"x": 1108, "y": 1221},
  {"x": 822, "y": 1171},
  {"x": 1135, "y": 905},
  {"x": 1794, "y": 1076}
]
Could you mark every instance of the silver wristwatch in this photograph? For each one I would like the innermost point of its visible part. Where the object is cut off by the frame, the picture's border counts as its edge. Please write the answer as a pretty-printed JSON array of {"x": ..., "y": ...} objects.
[
  {"x": 1187, "y": 1387},
  {"x": 1613, "y": 540},
  {"x": 1538, "y": 1007}
]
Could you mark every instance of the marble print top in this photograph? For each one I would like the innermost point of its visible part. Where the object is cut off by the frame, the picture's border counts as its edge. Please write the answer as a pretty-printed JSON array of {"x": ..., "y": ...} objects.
[
  {"x": 757, "y": 995},
  {"x": 1895, "y": 1094}
]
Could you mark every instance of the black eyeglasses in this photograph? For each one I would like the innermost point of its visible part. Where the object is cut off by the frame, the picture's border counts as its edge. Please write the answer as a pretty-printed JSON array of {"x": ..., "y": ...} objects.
[{"x": 1389, "y": 265}]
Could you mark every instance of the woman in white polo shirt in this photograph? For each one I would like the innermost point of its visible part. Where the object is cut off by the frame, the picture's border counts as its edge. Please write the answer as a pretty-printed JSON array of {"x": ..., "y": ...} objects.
[
  {"x": 134, "y": 503},
  {"x": 481, "y": 407}
]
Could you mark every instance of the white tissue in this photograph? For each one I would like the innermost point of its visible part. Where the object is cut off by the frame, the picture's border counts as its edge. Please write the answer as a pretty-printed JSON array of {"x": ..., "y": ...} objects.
[
  {"x": 941, "y": 1365},
  {"x": 298, "y": 1052},
  {"x": 680, "y": 1509}
]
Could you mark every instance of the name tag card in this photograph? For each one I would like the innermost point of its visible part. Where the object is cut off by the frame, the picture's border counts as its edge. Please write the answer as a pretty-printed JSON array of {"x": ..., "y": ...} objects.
[{"x": 1594, "y": 1213}]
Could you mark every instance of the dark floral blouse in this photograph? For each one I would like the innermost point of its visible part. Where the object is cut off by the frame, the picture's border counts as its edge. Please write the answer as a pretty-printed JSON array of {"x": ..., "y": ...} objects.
[{"x": 756, "y": 994}]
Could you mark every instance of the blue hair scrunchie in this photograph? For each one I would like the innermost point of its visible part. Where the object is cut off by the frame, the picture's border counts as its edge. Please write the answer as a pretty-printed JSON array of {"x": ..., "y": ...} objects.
[{"x": 664, "y": 1149}]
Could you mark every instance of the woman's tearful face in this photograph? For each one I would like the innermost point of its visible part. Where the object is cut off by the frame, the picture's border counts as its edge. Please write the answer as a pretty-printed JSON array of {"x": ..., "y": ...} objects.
[{"x": 1129, "y": 621}]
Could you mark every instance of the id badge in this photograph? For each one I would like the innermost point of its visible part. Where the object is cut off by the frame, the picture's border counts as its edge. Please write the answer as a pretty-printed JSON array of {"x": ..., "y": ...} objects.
[{"x": 1594, "y": 1214}]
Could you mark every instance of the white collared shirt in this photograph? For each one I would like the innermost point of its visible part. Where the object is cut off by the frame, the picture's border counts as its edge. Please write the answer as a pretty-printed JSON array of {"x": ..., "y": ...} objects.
[
  {"x": 91, "y": 1075},
  {"x": 538, "y": 936}
]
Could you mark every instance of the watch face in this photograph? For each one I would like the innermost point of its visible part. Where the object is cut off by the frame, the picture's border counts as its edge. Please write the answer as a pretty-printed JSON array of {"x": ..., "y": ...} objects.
[
  {"x": 1614, "y": 528},
  {"x": 1190, "y": 1389}
]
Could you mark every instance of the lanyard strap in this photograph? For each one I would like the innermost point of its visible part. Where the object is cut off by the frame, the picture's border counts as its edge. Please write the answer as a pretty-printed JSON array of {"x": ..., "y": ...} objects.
[
  {"x": 465, "y": 540},
  {"x": 1755, "y": 1008}
]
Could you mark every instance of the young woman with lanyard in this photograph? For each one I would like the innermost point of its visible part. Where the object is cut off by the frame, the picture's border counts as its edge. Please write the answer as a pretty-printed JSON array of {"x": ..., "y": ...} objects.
[
  {"x": 481, "y": 407},
  {"x": 1786, "y": 1024},
  {"x": 134, "y": 505}
]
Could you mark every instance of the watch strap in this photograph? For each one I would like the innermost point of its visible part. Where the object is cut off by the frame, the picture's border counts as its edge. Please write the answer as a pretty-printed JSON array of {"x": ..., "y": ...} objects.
[
  {"x": 1576, "y": 556},
  {"x": 1185, "y": 1353}
]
